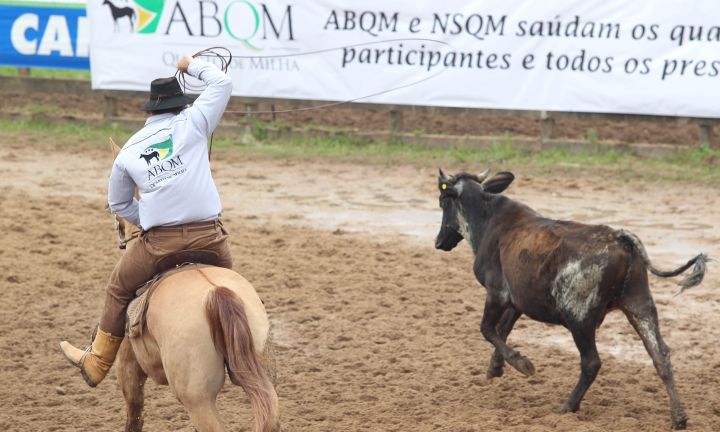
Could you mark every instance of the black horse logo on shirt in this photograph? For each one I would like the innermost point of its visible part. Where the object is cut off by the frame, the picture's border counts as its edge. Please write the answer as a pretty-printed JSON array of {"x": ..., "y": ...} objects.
[{"x": 150, "y": 156}]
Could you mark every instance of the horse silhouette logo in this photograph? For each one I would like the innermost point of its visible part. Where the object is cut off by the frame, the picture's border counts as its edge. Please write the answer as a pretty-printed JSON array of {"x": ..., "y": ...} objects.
[
  {"x": 150, "y": 156},
  {"x": 159, "y": 151},
  {"x": 119, "y": 12}
]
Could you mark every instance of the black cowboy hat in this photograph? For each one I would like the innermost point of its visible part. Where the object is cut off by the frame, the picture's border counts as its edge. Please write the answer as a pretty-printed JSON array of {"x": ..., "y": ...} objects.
[{"x": 165, "y": 93}]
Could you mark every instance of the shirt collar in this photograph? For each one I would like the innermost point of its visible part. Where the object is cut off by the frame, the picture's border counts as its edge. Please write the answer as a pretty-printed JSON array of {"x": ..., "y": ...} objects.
[{"x": 158, "y": 117}]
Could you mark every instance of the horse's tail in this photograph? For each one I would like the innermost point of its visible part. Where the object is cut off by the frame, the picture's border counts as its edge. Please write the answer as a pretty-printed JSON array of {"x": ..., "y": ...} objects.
[
  {"x": 233, "y": 340},
  {"x": 690, "y": 281}
]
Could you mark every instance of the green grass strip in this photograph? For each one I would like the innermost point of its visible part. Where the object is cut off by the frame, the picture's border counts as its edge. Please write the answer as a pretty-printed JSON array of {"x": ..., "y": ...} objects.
[
  {"x": 47, "y": 73},
  {"x": 695, "y": 165},
  {"x": 42, "y": 4}
]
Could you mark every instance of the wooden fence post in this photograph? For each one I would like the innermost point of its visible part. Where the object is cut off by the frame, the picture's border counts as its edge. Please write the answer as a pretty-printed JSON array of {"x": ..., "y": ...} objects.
[
  {"x": 249, "y": 108},
  {"x": 706, "y": 134},
  {"x": 546, "y": 124},
  {"x": 109, "y": 107},
  {"x": 251, "y": 126},
  {"x": 23, "y": 71},
  {"x": 396, "y": 120}
]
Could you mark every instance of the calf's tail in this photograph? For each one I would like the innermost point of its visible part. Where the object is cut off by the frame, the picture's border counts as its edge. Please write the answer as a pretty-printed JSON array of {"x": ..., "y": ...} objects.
[
  {"x": 233, "y": 339},
  {"x": 690, "y": 281}
]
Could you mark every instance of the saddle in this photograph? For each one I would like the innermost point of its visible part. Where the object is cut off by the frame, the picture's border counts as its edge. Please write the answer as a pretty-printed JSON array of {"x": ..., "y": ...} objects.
[{"x": 166, "y": 266}]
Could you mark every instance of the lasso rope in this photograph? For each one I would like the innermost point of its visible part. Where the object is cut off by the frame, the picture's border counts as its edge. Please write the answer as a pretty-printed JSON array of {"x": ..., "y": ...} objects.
[{"x": 226, "y": 58}]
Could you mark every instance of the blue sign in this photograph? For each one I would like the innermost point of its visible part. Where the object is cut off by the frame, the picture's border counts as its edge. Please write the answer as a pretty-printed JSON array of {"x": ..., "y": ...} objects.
[{"x": 47, "y": 37}]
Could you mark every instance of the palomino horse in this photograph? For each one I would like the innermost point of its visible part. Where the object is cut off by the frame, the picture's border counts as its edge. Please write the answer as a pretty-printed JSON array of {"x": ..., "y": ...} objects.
[{"x": 199, "y": 319}]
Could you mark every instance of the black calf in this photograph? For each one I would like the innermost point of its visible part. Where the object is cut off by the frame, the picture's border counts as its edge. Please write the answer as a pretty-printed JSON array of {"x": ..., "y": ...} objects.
[{"x": 557, "y": 272}]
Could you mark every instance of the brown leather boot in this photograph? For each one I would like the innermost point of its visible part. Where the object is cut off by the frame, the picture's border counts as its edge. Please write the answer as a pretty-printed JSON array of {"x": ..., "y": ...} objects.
[{"x": 94, "y": 361}]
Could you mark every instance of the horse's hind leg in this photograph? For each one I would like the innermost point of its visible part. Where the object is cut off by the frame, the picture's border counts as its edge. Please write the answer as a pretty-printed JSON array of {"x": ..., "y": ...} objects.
[
  {"x": 197, "y": 384},
  {"x": 640, "y": 310},
  {"x": 204, "y": 415},
  {"x": 132, "y": 381}
]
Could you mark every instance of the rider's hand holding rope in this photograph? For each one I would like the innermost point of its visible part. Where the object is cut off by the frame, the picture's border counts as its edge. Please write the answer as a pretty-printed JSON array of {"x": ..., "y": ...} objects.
[{"x": 185, "y": 61}]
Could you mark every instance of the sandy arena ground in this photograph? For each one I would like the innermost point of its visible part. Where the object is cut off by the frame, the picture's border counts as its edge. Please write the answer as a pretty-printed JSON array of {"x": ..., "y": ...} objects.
[{"x": 375, "y": 329}]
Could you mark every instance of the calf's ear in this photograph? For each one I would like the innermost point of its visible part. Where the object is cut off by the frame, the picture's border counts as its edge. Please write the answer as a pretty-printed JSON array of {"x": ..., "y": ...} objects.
[
  {"x": 442, "y": 176},
  {"x": 443, "y": 180},
  {"x": 499, "y": 182}
]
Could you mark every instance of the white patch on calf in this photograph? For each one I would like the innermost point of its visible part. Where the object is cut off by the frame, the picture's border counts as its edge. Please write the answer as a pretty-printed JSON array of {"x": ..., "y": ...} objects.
[
  {"x": 576, "y": 287},
  {"x": 464, "y": 228},
  {"x": 459, "y": 187},
  {"x": 505, "y": 293},
  {"x": 649, "y": 335}
]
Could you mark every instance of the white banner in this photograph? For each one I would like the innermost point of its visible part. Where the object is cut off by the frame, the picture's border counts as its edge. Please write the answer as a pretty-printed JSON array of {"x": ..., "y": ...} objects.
[{"x": 657, "y": 57}]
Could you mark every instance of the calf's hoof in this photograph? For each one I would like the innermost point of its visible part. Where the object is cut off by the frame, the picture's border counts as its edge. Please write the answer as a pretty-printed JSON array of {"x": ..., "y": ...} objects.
[
  {"x": 524, "y": 366},
  {"x": 567, "y": 408},
  {"x": 679, "y": 418},
  {"x": 680, "y": 423},
  {"x": 494, "y": 372}
]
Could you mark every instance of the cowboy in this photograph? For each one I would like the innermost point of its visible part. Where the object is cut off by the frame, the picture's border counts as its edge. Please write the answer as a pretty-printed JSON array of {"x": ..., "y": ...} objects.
[{"x": 167, "y": 162}]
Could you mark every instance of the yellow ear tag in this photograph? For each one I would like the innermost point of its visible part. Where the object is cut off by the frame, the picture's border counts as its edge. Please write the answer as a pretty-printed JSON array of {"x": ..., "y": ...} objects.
[{"x": 444, "y": 186}]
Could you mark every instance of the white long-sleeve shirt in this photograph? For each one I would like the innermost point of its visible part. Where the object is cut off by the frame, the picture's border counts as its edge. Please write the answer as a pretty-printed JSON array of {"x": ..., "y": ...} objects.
[{"x": 168, "y": 161}]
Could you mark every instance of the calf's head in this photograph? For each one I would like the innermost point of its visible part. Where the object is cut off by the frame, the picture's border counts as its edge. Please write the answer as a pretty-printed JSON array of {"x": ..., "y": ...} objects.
[{"x": 463, "y": 196}]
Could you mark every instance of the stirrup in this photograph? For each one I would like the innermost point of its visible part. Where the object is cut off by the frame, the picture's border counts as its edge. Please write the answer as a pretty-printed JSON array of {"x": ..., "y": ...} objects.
[{"x": 80, "y": 362}]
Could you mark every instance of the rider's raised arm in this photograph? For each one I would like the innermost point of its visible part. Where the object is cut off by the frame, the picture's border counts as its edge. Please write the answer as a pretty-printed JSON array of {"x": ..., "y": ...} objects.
[
  {"x": 208, "y": 108},
  {"x": 121, "y": 195}
]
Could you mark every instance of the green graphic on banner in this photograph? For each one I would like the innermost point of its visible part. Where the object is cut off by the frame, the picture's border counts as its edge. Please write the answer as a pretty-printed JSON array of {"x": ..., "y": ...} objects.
[{"x": 149, "y": 12}]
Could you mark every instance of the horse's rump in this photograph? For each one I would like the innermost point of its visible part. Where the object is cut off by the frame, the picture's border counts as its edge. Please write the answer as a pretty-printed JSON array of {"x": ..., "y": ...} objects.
[{"x": 137, "y": 309}]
